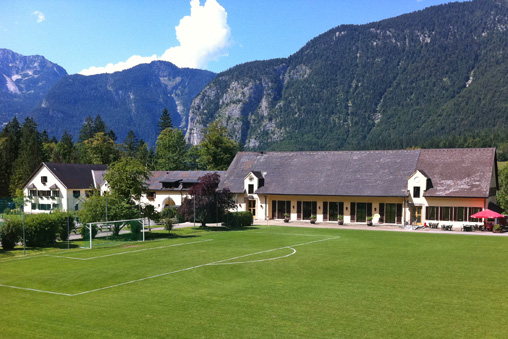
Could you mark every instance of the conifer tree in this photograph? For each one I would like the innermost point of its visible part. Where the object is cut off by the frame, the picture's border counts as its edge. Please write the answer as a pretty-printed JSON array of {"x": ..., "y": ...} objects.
[
  {"x": 10, "y": 138},
  {"x": 87, "y": 130},
  {"x": 65, "y": 150},
  {"x": 130, "y": 144},
  {"x": 30, "y": 155},
  {"x": 170, "y": 150},
  {"x": 165, "y": 121}
]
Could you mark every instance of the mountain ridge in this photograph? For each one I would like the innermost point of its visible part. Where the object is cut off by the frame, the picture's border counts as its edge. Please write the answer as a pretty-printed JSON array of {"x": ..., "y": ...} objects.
[{"x": 395, "y": 83}]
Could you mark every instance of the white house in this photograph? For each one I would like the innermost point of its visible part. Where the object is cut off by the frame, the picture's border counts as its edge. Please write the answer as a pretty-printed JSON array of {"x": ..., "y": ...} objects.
[{"x": 61, "y": 186}]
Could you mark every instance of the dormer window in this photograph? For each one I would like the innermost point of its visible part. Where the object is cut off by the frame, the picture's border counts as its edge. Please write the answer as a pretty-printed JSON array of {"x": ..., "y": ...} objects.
[
  {"x": 416, "y": 192},
  {"x": 251, "y": 189},
  {"x": 44, "y": 180}
]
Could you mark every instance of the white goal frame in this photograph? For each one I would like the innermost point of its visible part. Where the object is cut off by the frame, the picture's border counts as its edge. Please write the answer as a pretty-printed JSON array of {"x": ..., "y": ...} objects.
[{"x": 105, "y": 223}]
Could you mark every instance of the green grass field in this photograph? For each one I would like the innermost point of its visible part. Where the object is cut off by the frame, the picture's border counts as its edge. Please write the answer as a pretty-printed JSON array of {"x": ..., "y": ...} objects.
[{"x": 265, "y": 282}]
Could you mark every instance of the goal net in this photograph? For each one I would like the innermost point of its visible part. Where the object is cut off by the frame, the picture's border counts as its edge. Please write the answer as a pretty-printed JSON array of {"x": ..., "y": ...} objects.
[{"x": 108, "y": 233}]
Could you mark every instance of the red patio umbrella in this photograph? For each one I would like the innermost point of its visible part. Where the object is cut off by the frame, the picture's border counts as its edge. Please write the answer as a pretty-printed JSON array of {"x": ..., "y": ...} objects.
[{"x": 487, "y": 214}]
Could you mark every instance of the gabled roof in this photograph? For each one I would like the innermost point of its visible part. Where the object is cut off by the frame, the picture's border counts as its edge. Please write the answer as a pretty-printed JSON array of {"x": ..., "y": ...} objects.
[
  {"x": 78, "y": 176},
  {"x": 158, "y": 177},
  {"x": 458, "y": 172},
  {"x": 453, "y": 172},
  {"x": 72, "y": 176},
  {"x": 358, "y": 173}
]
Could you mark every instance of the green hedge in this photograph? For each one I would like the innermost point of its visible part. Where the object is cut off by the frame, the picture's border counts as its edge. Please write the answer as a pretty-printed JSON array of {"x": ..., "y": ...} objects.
[
  {"x": 11, "y": 233},
  {"x": 238, "y": 219}
]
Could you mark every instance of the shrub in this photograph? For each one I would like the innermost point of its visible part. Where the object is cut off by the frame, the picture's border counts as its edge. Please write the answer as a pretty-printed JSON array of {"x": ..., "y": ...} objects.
[
  {"x": 64, "y": 222},
  {"x": 136, "y": 228},
  {"x": 11, "y": 233},
  {"x": 85, "y": 234},
  {"x": 238, "y": 219},
  {"x": 168, "y": 224},
  {"x": 41, "y": 230}
]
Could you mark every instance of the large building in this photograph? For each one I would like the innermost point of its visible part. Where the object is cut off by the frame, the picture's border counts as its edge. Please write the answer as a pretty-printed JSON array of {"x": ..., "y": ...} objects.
[
  {"x": 417, "y": 186},
  {"x": 66, "y": 186},
  {"x": 393, "y": 187}
]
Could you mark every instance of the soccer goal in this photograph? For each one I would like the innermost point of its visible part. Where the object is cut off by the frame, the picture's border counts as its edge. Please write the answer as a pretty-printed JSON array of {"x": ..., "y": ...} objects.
[{"x": 108, "y": 233}]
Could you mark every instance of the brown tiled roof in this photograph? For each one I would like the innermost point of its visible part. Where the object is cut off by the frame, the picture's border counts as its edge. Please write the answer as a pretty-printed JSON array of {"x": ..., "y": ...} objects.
[
  {"x": 456, "y": 172},
  {"x": 78, "y": 176},
  {"x": 158, "y": 177},
  {"x": 459, "y": 172}
]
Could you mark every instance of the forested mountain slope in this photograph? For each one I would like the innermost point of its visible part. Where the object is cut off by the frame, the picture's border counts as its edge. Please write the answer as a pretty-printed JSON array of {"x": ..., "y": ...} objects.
[
  {"x": 407, "y": 81},
  {"x": 129, "y": 100}
]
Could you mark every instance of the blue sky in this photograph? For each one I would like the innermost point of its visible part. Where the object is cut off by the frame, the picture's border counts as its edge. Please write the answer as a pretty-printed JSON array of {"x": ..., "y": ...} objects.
[{"x": 212, "y": 34}]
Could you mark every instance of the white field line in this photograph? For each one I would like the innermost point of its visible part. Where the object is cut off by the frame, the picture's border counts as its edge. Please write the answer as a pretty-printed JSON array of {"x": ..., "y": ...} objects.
[
  {"x": 128, "y": 252},
  {"x": 173, "y": 272}
]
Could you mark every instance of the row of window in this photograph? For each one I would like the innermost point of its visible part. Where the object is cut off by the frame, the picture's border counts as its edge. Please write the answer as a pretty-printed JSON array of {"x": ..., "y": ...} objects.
[
  {"x": 49, "y": 207},
  {"x": 44, "y": 194},
  {"x": 439, "y": 213},
  {"x": 45, "y": 207}
]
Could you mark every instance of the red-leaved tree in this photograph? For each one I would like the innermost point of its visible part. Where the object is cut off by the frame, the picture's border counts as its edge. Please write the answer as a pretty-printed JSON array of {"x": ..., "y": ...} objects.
[{"x": 210, "y": 203}]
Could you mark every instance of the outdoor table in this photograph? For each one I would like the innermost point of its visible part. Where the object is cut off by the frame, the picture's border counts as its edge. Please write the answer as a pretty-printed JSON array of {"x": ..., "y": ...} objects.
[{"x": 467, "y": 228}]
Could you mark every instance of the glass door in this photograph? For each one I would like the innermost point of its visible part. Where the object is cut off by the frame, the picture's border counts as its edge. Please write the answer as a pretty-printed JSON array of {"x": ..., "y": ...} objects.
[{"x": 252, "y": 207}]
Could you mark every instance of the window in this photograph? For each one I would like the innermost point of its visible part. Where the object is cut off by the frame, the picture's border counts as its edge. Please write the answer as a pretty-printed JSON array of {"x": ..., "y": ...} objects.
[
  {"x": 446, "y": 214},
  {"x": 32, "y": 193},
  {"x": 170, "y": 184},
  {"x": 283, "y": 207},
  {"x": 251, "y": 189},
  {"x": 44, "y": 180},
  {"x": 34, "y": 206},
  {"x": 56, "y": 206},
  {"x": 76, "y": 194},
  {"x": 334, "y": 210},
  {"x": 45, "y": 207},
  {"x": 76, "y": 207},
  {"x": 309, "y": 209},
  {"x": 150, "y": 195},
  {"x": 45, "y": 194},
  {"x": 473, "y": 210},
  {"x": 55, "y": 194},
  {"x": 432, "y": 213},
  {"x": 416, "y": 192}
]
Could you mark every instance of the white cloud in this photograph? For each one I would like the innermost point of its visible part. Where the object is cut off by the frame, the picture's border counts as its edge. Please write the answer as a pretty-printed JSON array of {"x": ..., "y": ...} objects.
[
  {"x": 40, "y": 16},
  {"x": 204, "y": 35}
]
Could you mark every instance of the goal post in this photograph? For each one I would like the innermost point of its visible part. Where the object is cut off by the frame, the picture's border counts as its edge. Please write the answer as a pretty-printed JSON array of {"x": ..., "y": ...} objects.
[{"x": 107, "y": 233}]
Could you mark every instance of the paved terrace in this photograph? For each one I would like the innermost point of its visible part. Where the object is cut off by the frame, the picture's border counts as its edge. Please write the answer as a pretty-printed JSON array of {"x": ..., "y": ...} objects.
[{"x": 376, "y": 227}]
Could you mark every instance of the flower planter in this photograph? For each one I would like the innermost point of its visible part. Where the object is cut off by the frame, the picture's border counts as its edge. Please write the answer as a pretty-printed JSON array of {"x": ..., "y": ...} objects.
[
  {"x": 286, "y": 219},
  {"x": 341, "y": 222}
]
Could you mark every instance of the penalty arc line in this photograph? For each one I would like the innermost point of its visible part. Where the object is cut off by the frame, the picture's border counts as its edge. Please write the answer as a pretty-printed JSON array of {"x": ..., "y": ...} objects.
[{"x": 172, "y": 272}]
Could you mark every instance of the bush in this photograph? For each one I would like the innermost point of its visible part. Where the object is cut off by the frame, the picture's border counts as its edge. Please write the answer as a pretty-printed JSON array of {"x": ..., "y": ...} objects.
[
  {"x": 238, "y": 219},
  {"x": 41, "y": 230},
  {"x": 136, "y": 228},
  {"x": 11, "y": 233},
  {"x": 63, "y": 222},
  {"x": 85, "y": 234},
  {"x": 168, "y": 224}
]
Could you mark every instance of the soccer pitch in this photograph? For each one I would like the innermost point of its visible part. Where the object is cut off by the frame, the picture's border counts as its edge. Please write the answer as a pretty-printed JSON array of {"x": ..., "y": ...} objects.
[{"x": 263, "y": 282}]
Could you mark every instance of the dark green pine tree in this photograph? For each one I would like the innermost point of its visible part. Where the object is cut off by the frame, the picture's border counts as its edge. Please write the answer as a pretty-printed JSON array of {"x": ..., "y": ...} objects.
[
  {"x": 65, "y": 149},
  {"x": 165, "y": 121},
  {"x": 87, "y": 130},
  {"x": 99, "y": 125},
  {"x": 10, "y": 138},
  {"x": 145, "y": 154},
  {"x": 30, "y": 155},
  {"x": 130, "y": 144}
]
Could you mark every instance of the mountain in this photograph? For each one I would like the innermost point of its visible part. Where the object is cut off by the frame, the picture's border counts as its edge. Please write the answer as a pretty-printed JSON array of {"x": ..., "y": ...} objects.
[
  {"x": 413, "y": 80},
  {"x": 24, "y": 80},
  {"x": 129, "y": 100}
]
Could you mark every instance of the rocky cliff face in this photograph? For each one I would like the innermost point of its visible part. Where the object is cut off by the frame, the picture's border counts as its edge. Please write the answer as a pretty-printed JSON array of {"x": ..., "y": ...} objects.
[
  {"x": 391, "y": 84},
  {"x": 24, "y": 80}
]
